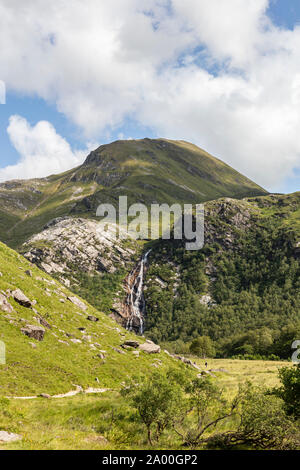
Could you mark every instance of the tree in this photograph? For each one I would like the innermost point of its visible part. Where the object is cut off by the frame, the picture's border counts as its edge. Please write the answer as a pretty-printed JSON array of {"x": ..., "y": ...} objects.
[
  {"x": 263, "y": 424},
  {"x": 290, "y": 390},
  {"x": 203, "y": 347},
  {"x": 158, "y": 399},
  {"x": 206, "y": 408}
]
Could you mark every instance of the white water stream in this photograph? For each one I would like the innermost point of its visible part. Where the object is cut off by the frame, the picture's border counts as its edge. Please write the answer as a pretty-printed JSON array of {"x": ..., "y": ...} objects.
[{"x": 136, "y": 300}]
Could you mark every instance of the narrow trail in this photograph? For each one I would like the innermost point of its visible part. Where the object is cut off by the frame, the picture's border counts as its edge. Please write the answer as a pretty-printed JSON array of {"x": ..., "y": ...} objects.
[{"x": 72, "y": 393}]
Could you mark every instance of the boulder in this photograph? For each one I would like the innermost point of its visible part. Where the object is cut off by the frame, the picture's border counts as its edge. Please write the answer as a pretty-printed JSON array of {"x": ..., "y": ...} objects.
[
  {"x": 21, "y": 298},
  {"x": 92, "y": 318},
  {"x": 77, "y": 302},
  {"x": 132, "y": 343},
  {"x": 9, "y": 437},
  {"x": 35, "y": 332},
  {"x": 150, "y": 347},
  {"x": 5, "y": 305}
]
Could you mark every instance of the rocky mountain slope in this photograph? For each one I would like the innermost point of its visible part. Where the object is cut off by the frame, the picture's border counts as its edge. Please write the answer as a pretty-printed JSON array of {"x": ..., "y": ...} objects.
[
  {"x": 145, "y": 170},
  {"x": 242, "y": 289},
  {"x": 244, "y": 280},
  {"x": 56, "y": 342}
]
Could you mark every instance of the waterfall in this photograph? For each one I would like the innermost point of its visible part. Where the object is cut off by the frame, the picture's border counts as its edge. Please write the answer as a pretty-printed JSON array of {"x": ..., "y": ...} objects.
[{"x": 135, "y": 299}]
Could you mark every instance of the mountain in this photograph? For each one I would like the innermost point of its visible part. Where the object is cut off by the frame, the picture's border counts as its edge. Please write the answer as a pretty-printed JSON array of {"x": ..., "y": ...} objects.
[
  {"x": 147, "y": 171},
  {"x": 55, "y": 341},
  {"x": 241, "y": 289}
]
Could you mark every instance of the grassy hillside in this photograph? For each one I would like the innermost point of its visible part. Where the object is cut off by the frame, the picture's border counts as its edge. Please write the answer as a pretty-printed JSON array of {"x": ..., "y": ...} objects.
[
  {"x": 145, "y": 170},
  {"x": 69, "y": 354}
]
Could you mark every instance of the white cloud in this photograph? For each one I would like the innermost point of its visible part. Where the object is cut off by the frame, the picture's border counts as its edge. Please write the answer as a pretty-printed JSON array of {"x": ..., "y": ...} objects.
[
  {"x": 42, "y": 150},
  {"x": 215, "y": 72}
]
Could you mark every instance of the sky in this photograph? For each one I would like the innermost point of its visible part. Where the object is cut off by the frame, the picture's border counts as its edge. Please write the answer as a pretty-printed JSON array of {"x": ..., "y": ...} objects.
[{"x": 223, "y": 74}]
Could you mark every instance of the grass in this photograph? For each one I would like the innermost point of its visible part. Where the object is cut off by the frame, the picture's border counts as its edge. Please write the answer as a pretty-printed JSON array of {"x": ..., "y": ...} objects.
[
  {"x": 262, "y": 373},
  {"x": 106, "y": 421},
  {"x": 55, "y": 364}
]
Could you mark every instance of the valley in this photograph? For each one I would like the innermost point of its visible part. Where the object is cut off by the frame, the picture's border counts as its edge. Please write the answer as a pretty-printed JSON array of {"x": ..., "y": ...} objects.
[
  {"x": 89, "y": 317},
  {"x": 105, "y": 422}
]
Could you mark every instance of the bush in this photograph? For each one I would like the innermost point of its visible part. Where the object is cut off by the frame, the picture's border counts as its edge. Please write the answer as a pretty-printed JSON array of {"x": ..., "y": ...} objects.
[{"x": 203, "y": 347}]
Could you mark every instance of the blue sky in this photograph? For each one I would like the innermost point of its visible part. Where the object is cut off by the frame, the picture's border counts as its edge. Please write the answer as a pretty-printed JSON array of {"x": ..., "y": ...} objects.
[{"x": 137, "y": 107}]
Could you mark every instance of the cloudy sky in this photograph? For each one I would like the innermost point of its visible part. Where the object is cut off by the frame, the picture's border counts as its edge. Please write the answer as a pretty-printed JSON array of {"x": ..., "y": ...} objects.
[{"x": 224, "y": 74}]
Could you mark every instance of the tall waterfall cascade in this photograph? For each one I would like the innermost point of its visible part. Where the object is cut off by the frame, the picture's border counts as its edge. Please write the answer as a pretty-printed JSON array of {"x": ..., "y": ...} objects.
[{"x": 135, "y": 299}]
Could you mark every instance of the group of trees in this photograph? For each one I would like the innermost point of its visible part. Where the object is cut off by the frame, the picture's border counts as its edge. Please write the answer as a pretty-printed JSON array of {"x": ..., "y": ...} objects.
[
  {"x": 255, "y": 289},
  {"x": 195, "y": 410}
]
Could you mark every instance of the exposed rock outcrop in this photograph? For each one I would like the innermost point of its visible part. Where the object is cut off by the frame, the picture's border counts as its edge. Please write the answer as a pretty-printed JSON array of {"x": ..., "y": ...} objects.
[
  {"x": 77, "y": 302},
  {"x": 5, "y": 305},
  {"x": 74, "y": 244},
  {"x": 35, "y": 332},
  {"x": 21, "y": 298},
  {"x": 150, "y": 347}
]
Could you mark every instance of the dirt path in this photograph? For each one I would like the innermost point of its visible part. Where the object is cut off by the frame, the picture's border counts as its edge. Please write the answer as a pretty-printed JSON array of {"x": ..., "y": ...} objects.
[{"x": 72, "y": 393}]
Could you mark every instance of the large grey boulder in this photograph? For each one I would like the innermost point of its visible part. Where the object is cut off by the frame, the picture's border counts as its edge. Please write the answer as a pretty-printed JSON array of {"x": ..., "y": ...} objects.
[
  {"x": 35, "y": 332},
  {"x": 150, "y": 347},
  {"x": 5, "y": 305},
  {"x": 21, "y": 298}
]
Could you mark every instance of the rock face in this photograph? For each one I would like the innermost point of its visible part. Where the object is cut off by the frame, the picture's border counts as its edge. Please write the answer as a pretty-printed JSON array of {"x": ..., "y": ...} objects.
[
  {"x": 21, "y": 298},
  {"x": 5, "y": 305},
  {"x": 235, "y": 215},
  {"x": 69, "y": 244},
  {"x": 35, "y": 332},
  {"x": 150, "y": 347}
]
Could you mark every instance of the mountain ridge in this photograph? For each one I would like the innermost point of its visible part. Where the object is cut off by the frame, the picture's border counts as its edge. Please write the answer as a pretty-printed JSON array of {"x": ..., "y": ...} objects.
[{"x": 147, "y": 170}]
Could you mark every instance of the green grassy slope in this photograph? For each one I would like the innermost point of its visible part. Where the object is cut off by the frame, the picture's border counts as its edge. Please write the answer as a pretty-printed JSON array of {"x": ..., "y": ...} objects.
[
  {"x": 56, "y": 364},
  {"x": 145, "y": 170}
]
